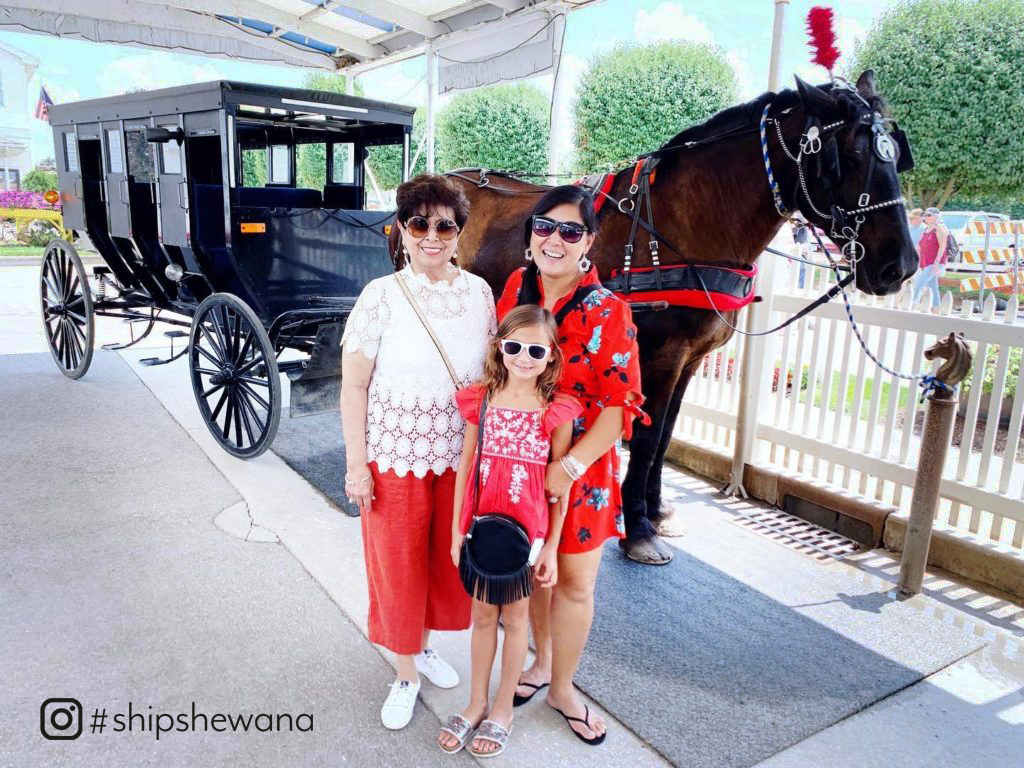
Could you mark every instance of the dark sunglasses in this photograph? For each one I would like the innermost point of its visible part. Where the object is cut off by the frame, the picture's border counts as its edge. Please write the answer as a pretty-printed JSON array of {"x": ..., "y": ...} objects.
[
  {"x": 419, "y": 226},
  {"x": 513, "y": 348},
  {"x": 570, "y": 231}
]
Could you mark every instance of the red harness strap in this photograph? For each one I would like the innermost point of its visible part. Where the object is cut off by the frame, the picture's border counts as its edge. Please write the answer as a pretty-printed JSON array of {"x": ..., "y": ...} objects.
[{"x": 681, "y": 286}]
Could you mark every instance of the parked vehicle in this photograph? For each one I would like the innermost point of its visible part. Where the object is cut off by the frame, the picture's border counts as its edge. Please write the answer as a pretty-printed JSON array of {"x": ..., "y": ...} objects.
[{"x": 190, "y": 195}]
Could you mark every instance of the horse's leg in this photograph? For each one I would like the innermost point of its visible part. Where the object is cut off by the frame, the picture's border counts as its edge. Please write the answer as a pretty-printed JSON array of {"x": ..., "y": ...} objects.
[
  {"x": 661, "y": 361},
  {"x": 658, "y": 510}
]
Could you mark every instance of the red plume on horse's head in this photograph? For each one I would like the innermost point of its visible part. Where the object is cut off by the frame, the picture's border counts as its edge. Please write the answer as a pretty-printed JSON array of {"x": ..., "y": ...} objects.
[{"x": 823, "y": 36}]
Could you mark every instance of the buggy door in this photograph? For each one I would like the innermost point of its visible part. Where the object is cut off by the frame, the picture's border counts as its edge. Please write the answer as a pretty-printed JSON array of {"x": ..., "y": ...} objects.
[
  {"x": 172, "y": 191},
  {"x": 116, "y": 173},
  {"x": 69, "y": 177}
]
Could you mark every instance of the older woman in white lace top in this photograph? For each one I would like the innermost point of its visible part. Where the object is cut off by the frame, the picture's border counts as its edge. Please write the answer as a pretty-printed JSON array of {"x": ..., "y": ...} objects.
[{"x": 403, "y": 432}]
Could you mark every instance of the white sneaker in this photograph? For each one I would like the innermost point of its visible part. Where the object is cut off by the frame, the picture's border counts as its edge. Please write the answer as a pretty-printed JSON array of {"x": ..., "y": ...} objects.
[
  {"x": 397, "y": 710},
  {"x": 436, "y": 670}
]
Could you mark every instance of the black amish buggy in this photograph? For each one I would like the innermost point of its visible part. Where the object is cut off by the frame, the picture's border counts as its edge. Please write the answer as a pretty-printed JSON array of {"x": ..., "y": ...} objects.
[{"x": 238, "y": 211}]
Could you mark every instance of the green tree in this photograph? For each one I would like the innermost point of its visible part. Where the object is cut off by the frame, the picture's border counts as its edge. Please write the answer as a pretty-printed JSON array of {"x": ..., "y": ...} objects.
[
  {"x": 953, "y": 74},
  {"x": 633, "y": 98},
  {"x": 39, "y": 181},
  {"x": 504, "y": 127}
]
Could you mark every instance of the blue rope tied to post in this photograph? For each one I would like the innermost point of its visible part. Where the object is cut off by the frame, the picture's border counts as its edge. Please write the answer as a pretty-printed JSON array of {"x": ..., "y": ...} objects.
[{"x": 929, "y": 384}]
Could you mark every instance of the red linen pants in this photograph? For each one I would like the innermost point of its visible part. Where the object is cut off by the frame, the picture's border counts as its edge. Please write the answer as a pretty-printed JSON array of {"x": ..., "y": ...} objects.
[{"x": 407, "y": 539}]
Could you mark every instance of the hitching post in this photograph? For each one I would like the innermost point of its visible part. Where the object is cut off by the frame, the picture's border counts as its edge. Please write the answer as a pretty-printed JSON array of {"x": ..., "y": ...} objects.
[{"x": 938, "y": 428}]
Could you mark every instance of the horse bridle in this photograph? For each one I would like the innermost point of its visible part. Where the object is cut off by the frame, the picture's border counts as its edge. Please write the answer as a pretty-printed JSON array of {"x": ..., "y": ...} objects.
[{"x": 819, "y": 141}]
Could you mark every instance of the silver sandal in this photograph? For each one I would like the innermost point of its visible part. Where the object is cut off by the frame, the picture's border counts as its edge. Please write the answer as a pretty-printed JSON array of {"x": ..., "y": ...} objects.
[
  {"x": 494, "y": 733},
  {"x": 461, "y": 729}
]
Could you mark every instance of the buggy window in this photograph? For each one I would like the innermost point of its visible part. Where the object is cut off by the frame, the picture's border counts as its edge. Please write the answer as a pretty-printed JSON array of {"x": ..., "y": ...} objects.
[
  {"x": 311, "y": 165},
  {"x": 140, "y": 157},
  {"x": 343, "y": 163},
  {"x": 170, "y": 154},
  {"x": 280, "y": 164},
  {"x": 71, "y": 153},
  {"x": 115, "y": 163}
]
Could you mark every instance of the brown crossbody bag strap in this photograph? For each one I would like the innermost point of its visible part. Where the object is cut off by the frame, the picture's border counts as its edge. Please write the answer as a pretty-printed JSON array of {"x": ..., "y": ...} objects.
[{"x": 429, "y": 330}]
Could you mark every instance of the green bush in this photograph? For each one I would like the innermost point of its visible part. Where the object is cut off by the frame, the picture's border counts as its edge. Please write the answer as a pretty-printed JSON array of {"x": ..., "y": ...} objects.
[
  {"x": 502, "y": 127},
  {"x": 39, "y": 181},
  {"x": 634, "y": 98},
  {"x": 953, "y": 74},
  {"x": 989, "y": 377}
]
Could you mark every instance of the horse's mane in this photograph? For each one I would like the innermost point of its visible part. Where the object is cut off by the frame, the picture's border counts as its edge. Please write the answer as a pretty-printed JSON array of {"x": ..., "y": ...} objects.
[
  {"x": 748, "y": 115},
  {"x": 734, "y": 118}
]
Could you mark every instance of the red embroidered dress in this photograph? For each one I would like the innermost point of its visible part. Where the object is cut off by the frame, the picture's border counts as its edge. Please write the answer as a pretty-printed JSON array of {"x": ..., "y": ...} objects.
[
  {"x": 602, "y": 368},
  {"x": 517, "y": 449}
]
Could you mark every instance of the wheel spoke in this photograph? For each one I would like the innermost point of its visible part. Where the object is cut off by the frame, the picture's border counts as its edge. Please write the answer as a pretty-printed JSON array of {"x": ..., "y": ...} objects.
[
  {"x": 251, "y": 380},
  {"x": 250, "y": 365},
  {"x": 53, "y": 288},
  {"x": 249, "y": 336},
  {"x": 211, "y": 390},
  {"x": 246, "y": 409},
  {"x": 238, "y": 420},
  {"x": 220, "y": 404},
  {"x": 77, "y": 348},
  {"x": 207, "y": 371},
  {"x": 72, "y": 287},
  {"x": 77, "y": 317},
  {"x": 49, "y": 301},
  {"x": 227, "y": 414},
  {"x": 208, "y": 356},
  {"x": 76, "y": 302},
  {"x": 78, "y": 331},
  {"x": 236, "y": 339},
  {"x": 213, "y": 343},
  {"x": 222, "y": 326},
  {"x": 65, "y": 344},
  {"x": 254, "y": 396}
]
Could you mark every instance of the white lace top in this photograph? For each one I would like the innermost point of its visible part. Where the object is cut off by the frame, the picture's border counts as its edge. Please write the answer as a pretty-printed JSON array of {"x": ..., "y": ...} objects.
[{"x": 412, "y": 421}]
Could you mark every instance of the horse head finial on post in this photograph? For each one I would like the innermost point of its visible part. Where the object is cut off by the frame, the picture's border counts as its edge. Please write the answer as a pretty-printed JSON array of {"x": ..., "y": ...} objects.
[
  {"x": 954, "y": 350},
  {"x": 935, "y": 440}
]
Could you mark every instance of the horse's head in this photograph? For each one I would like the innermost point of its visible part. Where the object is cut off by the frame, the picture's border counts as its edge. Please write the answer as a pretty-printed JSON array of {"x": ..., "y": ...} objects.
[{"x": 852, "y": 153}]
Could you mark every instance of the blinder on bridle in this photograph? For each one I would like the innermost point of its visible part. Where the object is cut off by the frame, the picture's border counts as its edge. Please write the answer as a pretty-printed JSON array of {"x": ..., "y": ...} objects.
[{"x": 888, "y": 143}]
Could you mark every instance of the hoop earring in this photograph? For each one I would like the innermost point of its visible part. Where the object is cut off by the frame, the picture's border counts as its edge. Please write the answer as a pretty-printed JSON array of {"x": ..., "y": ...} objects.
[
  {"x": 584, "y": 264},
  {"x": 529, "y": 256}
]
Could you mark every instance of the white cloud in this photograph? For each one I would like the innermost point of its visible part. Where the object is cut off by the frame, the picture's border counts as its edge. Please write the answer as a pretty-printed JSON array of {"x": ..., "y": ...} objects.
[
  {"x": 747, "y": 84},
  {"x": 669, "y": 21}
]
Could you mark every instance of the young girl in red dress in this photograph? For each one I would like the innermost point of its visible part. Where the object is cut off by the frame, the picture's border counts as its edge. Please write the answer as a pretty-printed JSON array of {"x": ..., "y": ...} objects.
[{"x": 526, "y": 425}]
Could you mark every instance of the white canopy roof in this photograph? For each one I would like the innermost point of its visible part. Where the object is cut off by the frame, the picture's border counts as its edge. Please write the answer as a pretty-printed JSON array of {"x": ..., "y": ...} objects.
[{"x": 354, "y": 35}]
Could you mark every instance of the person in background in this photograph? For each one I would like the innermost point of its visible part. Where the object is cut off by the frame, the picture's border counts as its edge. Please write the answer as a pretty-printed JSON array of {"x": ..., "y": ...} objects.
[
  {"x": 932, "y": 250},
  {"x": 916, "y": 223}
]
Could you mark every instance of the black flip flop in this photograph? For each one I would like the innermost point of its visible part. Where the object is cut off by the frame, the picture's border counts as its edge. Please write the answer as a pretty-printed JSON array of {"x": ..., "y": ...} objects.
[
  {"x": 518, "y": 701},
  {"x": 586, "y": 721}
]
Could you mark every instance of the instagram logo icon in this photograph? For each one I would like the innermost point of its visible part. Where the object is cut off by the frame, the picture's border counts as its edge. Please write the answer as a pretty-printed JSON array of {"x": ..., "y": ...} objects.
[{"x": 61, "y": 719}]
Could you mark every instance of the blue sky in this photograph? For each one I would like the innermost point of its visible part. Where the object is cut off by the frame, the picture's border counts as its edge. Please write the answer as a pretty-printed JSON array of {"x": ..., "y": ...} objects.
[{"x": 73, "y": 70}]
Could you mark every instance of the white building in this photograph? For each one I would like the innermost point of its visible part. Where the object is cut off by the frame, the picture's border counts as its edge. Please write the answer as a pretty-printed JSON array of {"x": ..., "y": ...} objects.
[{"x": 17, "y": 110}]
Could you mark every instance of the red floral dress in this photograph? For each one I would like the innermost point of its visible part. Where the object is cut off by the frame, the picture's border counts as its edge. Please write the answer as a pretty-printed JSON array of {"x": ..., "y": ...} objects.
[
  {"x": 516, "y": 452},
  {"x": 602, "y": 368}
]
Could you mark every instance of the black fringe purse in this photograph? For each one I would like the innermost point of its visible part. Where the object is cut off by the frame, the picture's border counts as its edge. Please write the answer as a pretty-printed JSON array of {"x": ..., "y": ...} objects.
[{"x": 495, "y": 561}]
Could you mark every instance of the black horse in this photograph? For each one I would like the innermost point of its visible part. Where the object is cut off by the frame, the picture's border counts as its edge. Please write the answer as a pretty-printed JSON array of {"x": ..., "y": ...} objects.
[{"x": 712, "y": 203}]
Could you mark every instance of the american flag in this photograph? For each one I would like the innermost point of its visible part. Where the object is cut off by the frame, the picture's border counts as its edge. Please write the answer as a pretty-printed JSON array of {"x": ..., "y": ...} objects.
[{"x": 43, "y": 105}]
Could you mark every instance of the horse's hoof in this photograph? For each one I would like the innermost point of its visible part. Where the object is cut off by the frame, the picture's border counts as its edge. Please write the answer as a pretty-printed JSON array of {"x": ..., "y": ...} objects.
[{"x": 652, "y": 551}]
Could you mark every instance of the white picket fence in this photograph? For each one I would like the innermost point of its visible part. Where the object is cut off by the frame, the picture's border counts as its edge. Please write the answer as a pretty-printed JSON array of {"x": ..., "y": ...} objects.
[{"x": 823, "y": 410}]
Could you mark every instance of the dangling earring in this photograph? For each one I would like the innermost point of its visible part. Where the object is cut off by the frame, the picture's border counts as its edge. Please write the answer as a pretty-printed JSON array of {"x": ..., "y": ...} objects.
[
  {"x": 529, "y": 256},
  {"x": 584, "y": 263}
]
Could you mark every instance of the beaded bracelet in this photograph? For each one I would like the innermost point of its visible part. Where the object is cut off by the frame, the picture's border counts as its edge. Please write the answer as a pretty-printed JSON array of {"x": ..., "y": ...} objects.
[{"x": 573, "y": 467}]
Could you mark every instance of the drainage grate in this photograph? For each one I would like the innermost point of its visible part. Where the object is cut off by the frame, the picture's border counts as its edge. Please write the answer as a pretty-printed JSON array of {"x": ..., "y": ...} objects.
[{"x": 796, "y": 533}]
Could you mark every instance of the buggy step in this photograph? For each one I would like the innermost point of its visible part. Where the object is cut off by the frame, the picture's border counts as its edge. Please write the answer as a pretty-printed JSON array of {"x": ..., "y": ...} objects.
[
  {"x": 101, "y": 269},
  {"x": 175, "y": 334}
]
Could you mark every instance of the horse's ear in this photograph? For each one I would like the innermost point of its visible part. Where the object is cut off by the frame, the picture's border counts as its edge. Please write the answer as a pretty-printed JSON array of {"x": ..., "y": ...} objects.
[
  {"x": 866, "y": 83},
  {"x": 817, "y": 101}
]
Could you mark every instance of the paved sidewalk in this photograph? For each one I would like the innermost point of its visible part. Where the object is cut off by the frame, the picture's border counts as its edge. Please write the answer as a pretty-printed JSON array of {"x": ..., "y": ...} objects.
[{"x": 120, "y": 582}]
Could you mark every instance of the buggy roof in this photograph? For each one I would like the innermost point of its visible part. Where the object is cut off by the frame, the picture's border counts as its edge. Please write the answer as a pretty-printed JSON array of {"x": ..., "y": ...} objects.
[{"x": 217, "y": 94}]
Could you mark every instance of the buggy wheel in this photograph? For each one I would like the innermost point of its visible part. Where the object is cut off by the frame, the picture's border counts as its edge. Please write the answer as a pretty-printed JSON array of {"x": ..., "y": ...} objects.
[
  {"x": 234, "y": 375},
  {"x": 68, "y": 319}
]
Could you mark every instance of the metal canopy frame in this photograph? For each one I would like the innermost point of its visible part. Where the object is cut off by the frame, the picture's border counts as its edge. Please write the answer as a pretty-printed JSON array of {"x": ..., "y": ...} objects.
[{"x": 335, "y": 35}]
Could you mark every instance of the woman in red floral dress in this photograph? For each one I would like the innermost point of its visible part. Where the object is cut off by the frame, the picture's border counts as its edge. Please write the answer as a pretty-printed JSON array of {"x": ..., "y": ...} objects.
[{"x": 598, "y": 340}]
